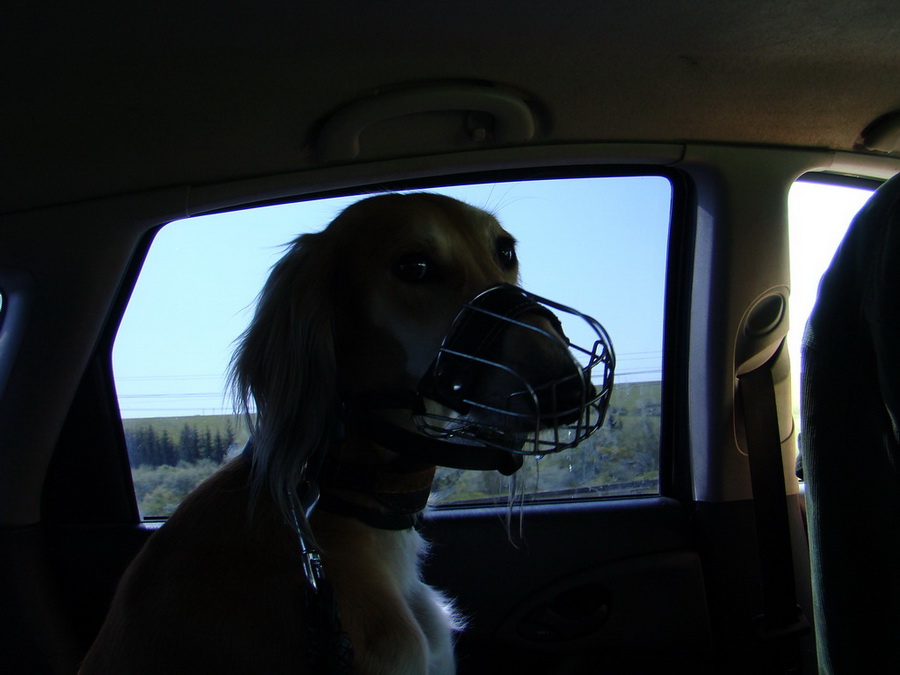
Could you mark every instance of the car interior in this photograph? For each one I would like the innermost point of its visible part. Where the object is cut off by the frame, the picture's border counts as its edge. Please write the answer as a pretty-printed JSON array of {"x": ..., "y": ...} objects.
[{"x": 737, "y": 512}]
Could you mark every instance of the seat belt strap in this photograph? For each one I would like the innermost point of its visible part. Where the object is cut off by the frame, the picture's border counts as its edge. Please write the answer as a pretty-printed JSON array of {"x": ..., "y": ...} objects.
[{"x": 781, "y": 619}]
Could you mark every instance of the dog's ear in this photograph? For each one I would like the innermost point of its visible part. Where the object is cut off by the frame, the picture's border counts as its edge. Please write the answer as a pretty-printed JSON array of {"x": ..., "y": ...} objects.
[{"x": 284, "y": 368}]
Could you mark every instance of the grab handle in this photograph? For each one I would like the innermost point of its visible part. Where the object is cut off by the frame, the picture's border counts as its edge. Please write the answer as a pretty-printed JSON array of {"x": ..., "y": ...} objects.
[{"x": 339, "y": 138}]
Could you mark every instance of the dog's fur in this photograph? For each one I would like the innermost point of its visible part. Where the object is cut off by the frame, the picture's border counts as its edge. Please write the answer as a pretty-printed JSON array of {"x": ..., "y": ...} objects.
[{"x": 219, "y": 588}]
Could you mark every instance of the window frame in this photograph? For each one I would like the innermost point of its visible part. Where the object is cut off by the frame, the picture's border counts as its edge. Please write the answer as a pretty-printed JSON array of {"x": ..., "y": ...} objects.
[
  {"x": 673, "y": 456},
  {"x": 833, "y": 179}
]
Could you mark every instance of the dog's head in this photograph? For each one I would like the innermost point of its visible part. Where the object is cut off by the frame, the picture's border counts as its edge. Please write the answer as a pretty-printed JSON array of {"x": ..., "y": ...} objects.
[{"x": 362, "y": 309}]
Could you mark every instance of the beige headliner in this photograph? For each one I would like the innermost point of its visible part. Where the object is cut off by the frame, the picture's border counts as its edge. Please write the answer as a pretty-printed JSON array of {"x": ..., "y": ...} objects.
[{"x": 105, "y": 98}]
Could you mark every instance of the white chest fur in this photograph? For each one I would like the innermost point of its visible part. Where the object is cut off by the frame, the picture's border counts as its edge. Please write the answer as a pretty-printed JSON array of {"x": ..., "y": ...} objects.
[{"x": 396, "y": 622}]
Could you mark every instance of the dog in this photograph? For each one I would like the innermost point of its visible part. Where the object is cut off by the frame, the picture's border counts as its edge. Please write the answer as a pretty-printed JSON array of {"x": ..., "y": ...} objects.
[{"x": 350, "y": 315}]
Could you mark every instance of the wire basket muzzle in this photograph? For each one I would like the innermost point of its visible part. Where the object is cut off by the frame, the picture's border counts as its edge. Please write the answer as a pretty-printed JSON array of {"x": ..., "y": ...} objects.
[{"x": 507, "y": 376}]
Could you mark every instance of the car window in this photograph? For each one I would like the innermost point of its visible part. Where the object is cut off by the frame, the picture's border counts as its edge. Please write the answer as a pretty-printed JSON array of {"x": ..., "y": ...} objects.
[
  {"x": 596, "y": 244},
  {"x": 819, "y": 213}
]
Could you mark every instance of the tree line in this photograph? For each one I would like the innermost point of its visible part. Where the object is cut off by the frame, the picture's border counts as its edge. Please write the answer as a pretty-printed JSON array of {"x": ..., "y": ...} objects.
[{"x": 151, "y": 448}]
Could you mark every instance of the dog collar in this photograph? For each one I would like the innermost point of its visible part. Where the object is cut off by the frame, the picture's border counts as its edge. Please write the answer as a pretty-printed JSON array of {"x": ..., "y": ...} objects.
[
  {"x": 400, "y": 490},
  {"x": 402, "y": 486},
  {"x": 373, "y": 517}
]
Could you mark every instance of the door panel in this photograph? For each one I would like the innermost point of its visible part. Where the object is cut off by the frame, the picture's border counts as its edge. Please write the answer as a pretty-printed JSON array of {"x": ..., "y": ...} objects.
[{"x": 611, "y": 586}]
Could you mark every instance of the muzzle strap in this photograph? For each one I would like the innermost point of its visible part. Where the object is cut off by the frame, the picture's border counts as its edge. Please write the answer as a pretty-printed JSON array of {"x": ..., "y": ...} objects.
[{"x": 434, "y": 451}]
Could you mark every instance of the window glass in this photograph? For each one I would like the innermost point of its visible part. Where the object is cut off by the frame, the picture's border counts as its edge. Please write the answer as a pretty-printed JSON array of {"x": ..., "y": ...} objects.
[
  {"x": 819, "y": 214},
  {"x": 596, "y": 244}
]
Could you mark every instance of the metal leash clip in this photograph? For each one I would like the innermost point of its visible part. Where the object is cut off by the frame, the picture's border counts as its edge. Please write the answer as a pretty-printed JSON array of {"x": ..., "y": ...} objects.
[{"x": 310, "y": 556}]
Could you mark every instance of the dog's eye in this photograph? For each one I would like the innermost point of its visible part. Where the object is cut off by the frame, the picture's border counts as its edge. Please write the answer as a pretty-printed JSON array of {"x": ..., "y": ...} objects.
[
  {"x": 414, "y": 267},
  {"x": 505, "y": 249}
]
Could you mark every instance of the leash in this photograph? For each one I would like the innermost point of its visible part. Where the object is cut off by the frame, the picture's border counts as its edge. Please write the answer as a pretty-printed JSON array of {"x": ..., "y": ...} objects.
[
  {"x": 402, "y": 489},
  {"x": 328, "y": 647}
]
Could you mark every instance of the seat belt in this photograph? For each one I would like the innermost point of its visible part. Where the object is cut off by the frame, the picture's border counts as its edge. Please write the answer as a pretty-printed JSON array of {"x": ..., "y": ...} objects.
[{"x": 782, "y": 620}]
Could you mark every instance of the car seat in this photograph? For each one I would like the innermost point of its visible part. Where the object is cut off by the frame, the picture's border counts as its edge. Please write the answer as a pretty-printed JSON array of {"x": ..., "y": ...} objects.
[{"x": 850, "y": 420}]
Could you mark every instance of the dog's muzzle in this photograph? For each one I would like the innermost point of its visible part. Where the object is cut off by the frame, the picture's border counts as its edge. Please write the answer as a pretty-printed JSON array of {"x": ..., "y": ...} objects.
[{"x": 508, "y": 378}]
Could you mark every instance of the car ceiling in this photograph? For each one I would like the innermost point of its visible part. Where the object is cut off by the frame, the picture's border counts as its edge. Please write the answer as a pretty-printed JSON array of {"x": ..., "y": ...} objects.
[{"x": 106, "y": 98}]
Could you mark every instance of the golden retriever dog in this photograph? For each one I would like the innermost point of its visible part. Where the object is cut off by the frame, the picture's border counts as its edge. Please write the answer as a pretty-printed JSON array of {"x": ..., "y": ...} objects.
[{"x": 252, "y": 574}]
